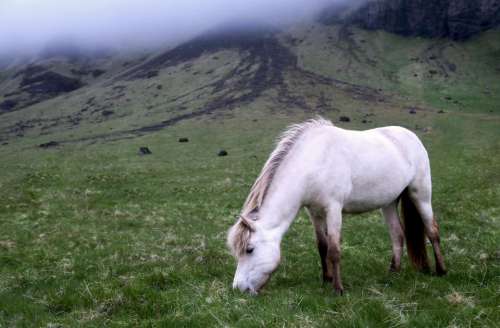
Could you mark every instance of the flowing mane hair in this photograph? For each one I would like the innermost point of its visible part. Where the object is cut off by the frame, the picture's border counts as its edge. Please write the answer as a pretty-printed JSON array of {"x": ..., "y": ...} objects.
[{"x": 240, "y": 233}]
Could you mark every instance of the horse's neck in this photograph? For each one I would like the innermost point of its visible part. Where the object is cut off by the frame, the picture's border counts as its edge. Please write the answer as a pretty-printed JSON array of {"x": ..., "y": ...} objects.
[{"x": 282, "y": 202}]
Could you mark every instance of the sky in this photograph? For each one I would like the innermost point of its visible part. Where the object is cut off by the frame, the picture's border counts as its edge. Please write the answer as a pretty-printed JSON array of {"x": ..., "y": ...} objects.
[{"x": 29, "y": 25}]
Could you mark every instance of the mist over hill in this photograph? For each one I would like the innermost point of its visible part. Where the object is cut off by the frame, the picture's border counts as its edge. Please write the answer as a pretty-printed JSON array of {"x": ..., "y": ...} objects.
[{"x": 321, "y": 64}]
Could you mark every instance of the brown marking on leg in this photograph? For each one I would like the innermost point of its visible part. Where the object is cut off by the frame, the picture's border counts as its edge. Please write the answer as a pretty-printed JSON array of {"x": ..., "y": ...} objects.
[
  {"x": 333, "y": 256},
  {"x": 318, "y": 220},
  {"x": 323, "y": 250}
]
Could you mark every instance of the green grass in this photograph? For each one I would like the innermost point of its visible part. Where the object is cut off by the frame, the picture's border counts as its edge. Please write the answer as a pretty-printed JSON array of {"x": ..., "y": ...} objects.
[{"x": 95, "y": 235}]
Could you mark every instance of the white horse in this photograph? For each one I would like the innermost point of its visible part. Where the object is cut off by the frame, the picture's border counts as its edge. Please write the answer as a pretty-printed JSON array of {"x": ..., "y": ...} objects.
[{"x": 330, "y": 170}]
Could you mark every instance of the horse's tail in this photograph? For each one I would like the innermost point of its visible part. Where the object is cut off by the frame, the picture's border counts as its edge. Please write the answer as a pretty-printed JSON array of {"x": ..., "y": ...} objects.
[{"x": 414, "y": 233}]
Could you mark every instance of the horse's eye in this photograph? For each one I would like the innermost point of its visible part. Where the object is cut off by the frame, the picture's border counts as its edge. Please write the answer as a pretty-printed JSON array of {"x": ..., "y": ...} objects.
[{"x": 249, "y": 250}]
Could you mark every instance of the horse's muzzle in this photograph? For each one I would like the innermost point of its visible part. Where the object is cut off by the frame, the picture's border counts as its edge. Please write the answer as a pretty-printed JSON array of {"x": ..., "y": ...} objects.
[{"x": 244, "y": 287}]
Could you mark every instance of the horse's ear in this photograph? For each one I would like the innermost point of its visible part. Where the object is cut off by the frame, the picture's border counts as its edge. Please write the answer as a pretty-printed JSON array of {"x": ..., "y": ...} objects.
[{"x": 246, "y": 223}]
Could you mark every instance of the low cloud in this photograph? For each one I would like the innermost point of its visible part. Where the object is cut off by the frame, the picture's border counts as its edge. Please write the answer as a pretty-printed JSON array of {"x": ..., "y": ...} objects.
[{"x": 27, "y": 26}]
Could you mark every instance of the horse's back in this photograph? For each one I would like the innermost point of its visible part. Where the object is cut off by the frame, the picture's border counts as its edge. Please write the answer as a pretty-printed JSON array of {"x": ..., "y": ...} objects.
[{"x": 364, "y": 169}]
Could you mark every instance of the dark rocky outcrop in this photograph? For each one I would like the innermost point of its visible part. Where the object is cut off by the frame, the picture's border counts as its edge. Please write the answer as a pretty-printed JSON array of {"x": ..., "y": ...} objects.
[
  {"x": 49, "y": 83},
  {"x": 38, "y": 84},
  {"x": 49, "y": 144},
  {"x": 8, "y": 105},
  {"x": 144, "y": 151},
  {"x": 456, "y": 19}
]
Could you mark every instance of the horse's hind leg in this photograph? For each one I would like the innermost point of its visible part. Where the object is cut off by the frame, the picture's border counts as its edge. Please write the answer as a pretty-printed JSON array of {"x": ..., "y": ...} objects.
[
  {"x": 390, "y": 213},
  {"x": 318, "y": 219},
  {"x": 432, "y": 232},
  {"x": 421, "y": 197}
]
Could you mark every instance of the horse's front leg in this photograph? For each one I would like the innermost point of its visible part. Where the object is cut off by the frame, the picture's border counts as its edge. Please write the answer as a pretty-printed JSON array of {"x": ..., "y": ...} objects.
[
  {"x": 334, "y": 225},
  {"x": 318, "y": 219}
]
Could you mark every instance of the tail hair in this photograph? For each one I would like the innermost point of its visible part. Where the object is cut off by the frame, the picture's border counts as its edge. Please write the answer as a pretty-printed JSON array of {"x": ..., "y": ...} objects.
[{"x": 414, "y": 233}]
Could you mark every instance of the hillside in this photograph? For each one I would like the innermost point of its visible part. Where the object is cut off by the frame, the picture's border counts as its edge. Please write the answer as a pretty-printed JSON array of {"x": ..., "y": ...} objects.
[{"x": 314, "y": 68}]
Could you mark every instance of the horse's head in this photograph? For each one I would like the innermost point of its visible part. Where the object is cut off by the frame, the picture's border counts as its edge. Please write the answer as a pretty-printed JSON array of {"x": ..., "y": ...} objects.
[{"x": 257, "y": 252}]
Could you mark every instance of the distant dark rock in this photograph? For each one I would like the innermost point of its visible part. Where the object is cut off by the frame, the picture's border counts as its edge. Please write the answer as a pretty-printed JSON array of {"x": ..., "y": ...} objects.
[
  {"x": 412, "y": 111},
  {"x": 8, "y": 105},
  {"x": 151, "y": 74},
  {"x": 183, "y": 140},
  {"x": 107, "y": 112},
  {"x": 159, "y": 87},
  {"x": 345, "y": 119},
  {"x": 441, "y": 111},
  {"x": 5, "y": 143},
  {"x": 90, "y": 101},
  {"x": 144, "y": 151},
  {"x": 456, "y": 19},
  {"x": 49, "y": 144},
  {"x": 222, "y": 152},
  {"x": 97, "y": 72}
]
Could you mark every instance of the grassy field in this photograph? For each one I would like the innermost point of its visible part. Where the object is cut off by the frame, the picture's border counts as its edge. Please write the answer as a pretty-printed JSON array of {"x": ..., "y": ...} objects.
[
  {"x": 92, "y": 234},
  {"x": 95, "y": 235}
]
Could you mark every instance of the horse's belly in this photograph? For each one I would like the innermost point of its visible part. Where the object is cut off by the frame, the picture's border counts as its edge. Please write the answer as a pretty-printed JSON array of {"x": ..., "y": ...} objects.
[
  {"x": 370, "y": 202},
  {"x": 376, "y": 190}
]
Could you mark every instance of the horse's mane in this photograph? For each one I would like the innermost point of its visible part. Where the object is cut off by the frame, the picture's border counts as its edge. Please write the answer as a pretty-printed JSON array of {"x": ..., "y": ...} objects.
[{"x": 240, "y": 233}]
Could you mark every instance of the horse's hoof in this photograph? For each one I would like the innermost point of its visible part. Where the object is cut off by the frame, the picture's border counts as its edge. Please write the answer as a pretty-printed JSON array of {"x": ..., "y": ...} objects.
[
  {"x": 327, "y": 279},
  {"x": 424, "y": 270},
  {"x": 339, "y": 291},
  {"x": 441, "y": 272}
]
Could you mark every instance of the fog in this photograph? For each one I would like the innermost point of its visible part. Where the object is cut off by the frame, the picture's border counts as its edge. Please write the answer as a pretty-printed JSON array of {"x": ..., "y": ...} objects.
[{"x": 27, "y": 26}]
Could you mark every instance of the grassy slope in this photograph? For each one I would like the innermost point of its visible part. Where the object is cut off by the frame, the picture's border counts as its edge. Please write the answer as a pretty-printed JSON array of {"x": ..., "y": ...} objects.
[
  {"x": 424, "y": 71},
  {"x": 93, "y": 234}
]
